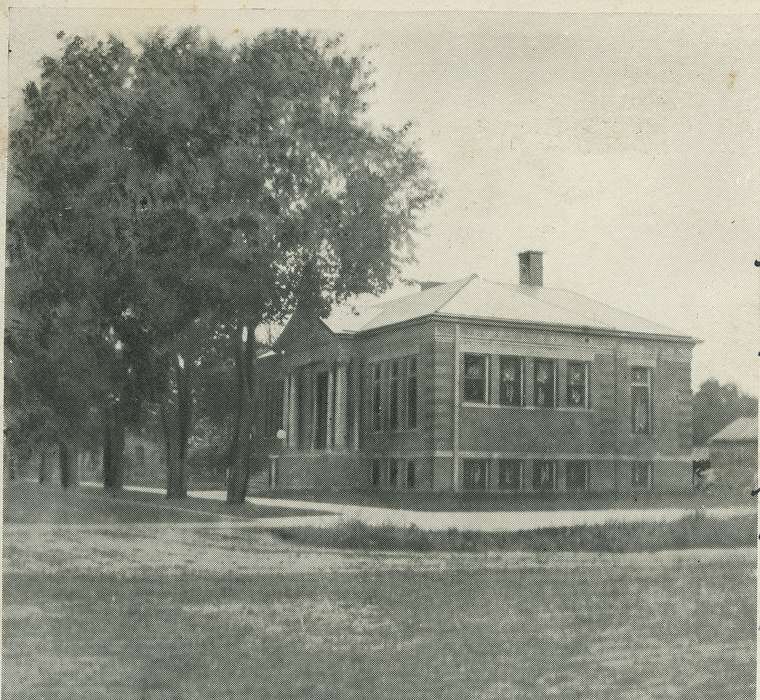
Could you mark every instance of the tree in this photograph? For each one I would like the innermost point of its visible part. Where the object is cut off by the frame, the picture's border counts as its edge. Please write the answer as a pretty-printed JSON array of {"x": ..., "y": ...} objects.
[
  {"x": 212, "y": 188},
  {"x": 717, "y": 405}
]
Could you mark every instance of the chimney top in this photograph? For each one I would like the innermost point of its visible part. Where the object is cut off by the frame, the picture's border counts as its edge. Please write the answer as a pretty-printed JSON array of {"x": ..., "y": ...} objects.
[{"x": 531, "y": 268}]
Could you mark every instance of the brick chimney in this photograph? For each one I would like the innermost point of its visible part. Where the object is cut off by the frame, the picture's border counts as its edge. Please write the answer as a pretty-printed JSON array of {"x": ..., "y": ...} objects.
[{"x": 532, "y": 268}]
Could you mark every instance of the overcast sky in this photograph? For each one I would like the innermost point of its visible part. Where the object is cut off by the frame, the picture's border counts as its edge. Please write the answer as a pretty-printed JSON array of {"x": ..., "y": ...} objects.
[{"x": 625, "y": 146}]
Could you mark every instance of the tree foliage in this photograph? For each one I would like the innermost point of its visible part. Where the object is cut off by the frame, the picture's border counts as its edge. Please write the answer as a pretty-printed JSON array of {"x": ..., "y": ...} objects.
[
  {"x": 185, "y": 186},
  {"x": 717, "y": 405}
]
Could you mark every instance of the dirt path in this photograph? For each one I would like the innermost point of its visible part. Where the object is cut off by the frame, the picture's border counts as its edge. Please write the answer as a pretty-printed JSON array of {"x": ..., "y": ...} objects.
[{"x": 501, "y": 521}]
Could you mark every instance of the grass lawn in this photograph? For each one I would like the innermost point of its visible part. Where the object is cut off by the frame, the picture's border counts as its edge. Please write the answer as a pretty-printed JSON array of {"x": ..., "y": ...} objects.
[
  {"x": 682, "y": 631},
  {"x": 217, "y": 613},
  {"x": 26, "y": 503},
  {"x": 439, "y": 502}
]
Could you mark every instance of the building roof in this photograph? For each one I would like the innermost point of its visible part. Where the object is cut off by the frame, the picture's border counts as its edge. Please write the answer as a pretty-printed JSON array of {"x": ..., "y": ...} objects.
[
  {"x": 479, "y": 298},
  {"x": 741, "y": 430}
]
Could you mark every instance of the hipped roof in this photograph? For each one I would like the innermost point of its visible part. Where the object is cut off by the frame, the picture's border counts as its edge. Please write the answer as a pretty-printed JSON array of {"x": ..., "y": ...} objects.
[{"x": 477, "y": 298}]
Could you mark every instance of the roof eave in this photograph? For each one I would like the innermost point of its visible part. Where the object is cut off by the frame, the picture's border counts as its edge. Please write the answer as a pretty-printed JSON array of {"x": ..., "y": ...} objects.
[{"x": 583, "y": 330}]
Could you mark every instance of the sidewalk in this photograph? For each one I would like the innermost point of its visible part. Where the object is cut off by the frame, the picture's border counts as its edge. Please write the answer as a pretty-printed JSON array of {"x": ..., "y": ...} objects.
[{"x": 502, "y": 521}]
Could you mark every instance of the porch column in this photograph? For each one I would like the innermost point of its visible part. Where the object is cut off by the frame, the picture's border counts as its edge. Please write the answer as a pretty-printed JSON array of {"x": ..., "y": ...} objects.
[
  {"x": 340, "y": 405},
  {"x": 292, "y": 408},
  {"x": 286, "y": 404},
  {"x": 357, "y": 398},
  {"x": 329, "y": 438}
]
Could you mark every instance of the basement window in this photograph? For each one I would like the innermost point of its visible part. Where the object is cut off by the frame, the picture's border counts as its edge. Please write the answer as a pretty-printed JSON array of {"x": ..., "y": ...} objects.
[
  {"x": 641, "y": 475},
  {"x": 475, "y": 380},
  {"x": 576, "y": 476},
  {"x": 393, "y": 473},
  {"x": 475, "y": 474},
  {"x": 411, "y": 474},
  {"x": 543, "y": 475},
  {"x": 510, "y": 474}
]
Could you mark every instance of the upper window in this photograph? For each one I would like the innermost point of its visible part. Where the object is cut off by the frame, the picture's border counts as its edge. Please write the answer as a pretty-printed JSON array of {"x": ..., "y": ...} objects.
[
  {"x": 475, "y": 380},
  {"x": 393, "y": 389},
  {"x": 511, "y": 381},
  {"x": 545, "y": 380},
  {"x": 411, "y": 392},
  {"x": 377, "y": 397},
  {"x": 641, "y": 399},
  {"x": 577, "y": 384}
]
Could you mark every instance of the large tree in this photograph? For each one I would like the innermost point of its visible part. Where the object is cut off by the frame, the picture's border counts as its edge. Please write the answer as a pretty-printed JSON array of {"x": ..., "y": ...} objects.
[{"x": 213, "y": 187}]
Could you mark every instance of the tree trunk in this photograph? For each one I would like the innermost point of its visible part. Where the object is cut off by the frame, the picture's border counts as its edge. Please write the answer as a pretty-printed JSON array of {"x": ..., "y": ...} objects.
[
  {"x": 44, "y": 467},
  {"x": 113, "y": 447},
  {"x": 67, "y": 459},
  {"x": 177, "y": 426},
  {"x": 241, "y": 451}
]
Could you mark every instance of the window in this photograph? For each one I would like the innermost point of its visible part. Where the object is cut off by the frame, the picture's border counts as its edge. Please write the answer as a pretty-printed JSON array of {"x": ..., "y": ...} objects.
[
  {"x": 641, "y": 400},
  {"x": 376, "y": 472},
  {"x": 377, "y": 398},
  {"x": 511, "y": 381},
  {"x": 393, "y": 473},
  {"x": 543, "y": 475},
  {"x": 545, "y": 375},
  {"x": 475, "y": 474},
  {"x": 320, "y": 433},
  {"x": 576, "y": 476},
  {"x": 641, "y": 475},
  {"x": 475, "y": 380},
  {"x": 577, "y": 384},
  {"x": 393, "y": 390},
  {"x": 411, "y": 392},
  {"x": 510, "y": 474},
  {"x": 411, "y": 474}
]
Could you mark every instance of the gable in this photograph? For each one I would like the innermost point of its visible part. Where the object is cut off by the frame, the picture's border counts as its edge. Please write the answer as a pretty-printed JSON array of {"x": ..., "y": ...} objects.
[{"x": 304, "y": 331}]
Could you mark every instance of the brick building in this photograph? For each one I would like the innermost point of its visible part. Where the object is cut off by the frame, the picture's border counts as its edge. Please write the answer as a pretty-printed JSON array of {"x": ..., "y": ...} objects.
[
  {"x": 733, "y": 454},
  {"x": 479, "y": 385}
]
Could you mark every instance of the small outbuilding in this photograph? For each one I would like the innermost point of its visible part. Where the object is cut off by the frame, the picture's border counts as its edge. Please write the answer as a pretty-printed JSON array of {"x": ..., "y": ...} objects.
[{"x": 733, "y": 454}]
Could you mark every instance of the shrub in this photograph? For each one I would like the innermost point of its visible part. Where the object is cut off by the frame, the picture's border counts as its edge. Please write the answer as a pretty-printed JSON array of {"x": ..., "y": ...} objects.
[{"x": 693, "y": 531}]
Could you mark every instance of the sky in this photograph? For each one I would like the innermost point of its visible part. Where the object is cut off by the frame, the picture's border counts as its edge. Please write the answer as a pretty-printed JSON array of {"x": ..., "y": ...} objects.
[{"x": 626, "y": 147}]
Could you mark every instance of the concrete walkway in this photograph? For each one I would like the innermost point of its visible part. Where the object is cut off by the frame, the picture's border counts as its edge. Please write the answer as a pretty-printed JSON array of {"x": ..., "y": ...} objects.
[{"x": 502, "y": 521}]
